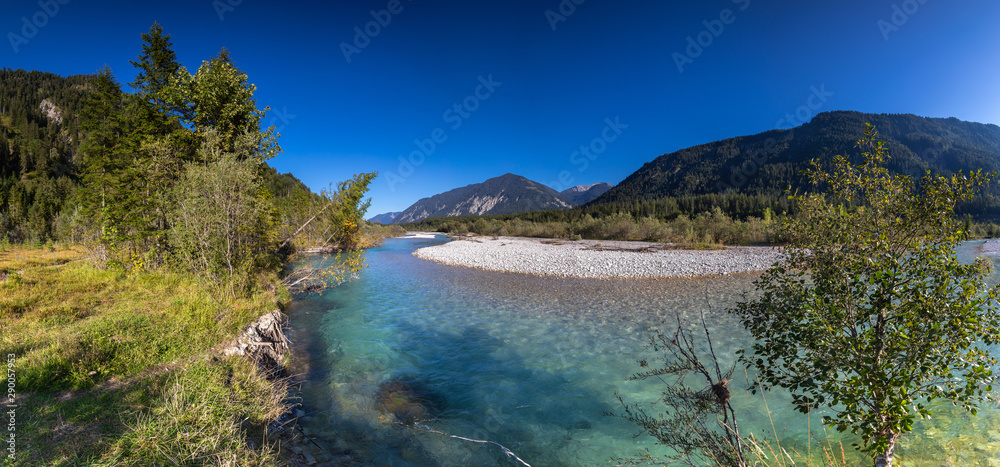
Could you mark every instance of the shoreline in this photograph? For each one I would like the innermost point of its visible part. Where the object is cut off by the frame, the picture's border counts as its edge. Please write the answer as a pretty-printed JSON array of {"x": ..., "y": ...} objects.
[{"x": 596, "y": 259}]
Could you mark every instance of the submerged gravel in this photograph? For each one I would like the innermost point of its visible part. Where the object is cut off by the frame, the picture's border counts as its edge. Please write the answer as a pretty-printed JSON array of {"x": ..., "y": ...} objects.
[{"x": 596, "y": 259}]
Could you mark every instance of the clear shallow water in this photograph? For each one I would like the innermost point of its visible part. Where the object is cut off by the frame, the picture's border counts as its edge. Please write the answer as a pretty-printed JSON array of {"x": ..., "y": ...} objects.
[{"x": 533, "y": 363}]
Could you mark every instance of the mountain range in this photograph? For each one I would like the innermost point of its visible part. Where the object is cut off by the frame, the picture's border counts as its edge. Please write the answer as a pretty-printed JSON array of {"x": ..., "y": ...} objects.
[
  {"x": 769, "y": 163},
  {"x": 583, "y": 194},
  {"x": 506, "y": 194},
  {"x": 761, "y": 165},
  {"x": 385, "y": 218}
]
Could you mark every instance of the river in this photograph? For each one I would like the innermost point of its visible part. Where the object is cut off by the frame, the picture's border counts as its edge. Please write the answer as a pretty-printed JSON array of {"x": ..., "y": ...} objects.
[{"x": 533, "y": 364}]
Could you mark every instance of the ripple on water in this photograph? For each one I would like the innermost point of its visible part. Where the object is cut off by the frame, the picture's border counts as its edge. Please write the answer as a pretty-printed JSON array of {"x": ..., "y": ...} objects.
[{"x": 529, "y": 362}]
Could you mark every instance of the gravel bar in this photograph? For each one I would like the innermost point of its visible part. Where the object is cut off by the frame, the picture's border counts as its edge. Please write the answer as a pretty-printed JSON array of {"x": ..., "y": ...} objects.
[{"x": 596, "y": 259}]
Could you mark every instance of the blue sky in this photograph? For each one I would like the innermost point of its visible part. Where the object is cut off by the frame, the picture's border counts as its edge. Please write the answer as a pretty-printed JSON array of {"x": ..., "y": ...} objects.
[{"x": 536, "y": 80}]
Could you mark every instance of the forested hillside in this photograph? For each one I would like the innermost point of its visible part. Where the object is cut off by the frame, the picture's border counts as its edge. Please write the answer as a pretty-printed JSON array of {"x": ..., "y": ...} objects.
[
  {"x": 749, "y": 170},
  {"x": 39, "y": 152},
  {"x": 44, "y": 121}
]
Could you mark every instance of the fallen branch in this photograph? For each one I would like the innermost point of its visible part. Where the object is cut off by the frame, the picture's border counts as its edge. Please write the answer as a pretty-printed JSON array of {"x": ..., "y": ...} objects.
[{"x": 303, "y": 226}]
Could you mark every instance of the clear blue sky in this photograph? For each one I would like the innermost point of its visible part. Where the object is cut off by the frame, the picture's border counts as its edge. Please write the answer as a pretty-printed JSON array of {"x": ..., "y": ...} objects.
[{"x": 558, "y": 88}]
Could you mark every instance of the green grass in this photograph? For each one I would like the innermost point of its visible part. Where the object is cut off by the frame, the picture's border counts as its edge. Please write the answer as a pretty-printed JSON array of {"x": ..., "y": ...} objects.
[{"x": 119, "y": 369}]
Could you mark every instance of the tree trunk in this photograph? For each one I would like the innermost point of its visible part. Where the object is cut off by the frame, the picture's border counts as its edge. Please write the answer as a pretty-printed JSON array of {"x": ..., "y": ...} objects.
[{"x": 885, "y": 459}]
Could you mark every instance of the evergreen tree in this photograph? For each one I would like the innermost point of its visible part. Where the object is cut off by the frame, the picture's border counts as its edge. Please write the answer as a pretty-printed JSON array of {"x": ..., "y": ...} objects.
[
  {"x": 100, "y": 119},
  {"x": 158, "y": 70}
]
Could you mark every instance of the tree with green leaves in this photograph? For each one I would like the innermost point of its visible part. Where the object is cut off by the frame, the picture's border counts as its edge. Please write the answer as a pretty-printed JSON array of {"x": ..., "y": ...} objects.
[
  {"x": 347, "y": 216},
  {"x": 870, "y": 313},
  {"x": 109, "y": 195},
  {"x": 222, "y": 99},
  {"x": 99, "y": 119},
  {"x": 224, "y": 224}
]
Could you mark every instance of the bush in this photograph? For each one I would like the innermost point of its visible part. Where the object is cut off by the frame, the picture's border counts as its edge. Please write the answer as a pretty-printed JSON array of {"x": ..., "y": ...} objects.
[{"x": 223, "y": 225}]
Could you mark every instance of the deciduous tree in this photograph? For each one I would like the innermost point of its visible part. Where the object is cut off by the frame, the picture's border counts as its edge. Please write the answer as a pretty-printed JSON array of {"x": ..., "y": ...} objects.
[{"x": 871, "y": 314}]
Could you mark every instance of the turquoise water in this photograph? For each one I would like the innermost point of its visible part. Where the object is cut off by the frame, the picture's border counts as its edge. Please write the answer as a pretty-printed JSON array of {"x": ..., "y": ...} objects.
[{"x": 532, "y": 363}]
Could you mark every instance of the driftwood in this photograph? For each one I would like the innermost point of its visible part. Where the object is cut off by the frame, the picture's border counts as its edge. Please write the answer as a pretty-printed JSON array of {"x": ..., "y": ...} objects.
[{"x": 263, "y": 342}]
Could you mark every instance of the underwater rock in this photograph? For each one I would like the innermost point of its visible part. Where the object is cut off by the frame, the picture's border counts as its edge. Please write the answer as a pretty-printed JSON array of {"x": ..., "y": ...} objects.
[
  {"x": 407, "y": 400},
  {"x": 581, "y": 425}
]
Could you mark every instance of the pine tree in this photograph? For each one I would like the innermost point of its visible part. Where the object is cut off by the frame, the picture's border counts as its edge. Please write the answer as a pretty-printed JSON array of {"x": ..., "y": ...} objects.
[
  {"x": 100, "y": 120},
  {"x": 158, "y": 72}
]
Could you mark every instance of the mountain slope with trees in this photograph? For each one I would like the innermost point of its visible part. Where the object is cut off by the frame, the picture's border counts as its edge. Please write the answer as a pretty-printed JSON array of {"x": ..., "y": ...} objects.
[
  {"x": 39, "y": 152},
  {"x": 766, "y": 164},
  {"x": 45, "y": 133}
]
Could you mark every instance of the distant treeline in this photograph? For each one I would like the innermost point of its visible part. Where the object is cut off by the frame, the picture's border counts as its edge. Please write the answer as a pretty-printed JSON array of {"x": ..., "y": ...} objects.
[
  {"x": 704, "y": 219},
  {"x": 731, "y": 218}
]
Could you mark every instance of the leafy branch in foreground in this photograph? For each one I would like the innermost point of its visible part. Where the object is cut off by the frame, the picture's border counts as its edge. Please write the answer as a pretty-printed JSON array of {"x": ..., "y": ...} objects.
[
  {"x": 871, "y": 313},
  {"x": 699, "y": 424},
  {"x": 341, "y": 216}
]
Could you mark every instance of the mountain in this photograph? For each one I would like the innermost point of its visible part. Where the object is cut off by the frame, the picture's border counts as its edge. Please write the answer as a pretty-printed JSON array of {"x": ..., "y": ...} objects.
[
  {"x": 768, "y": 163},
  {"x": 506, "y": 194},
  {"x": 384, "y": 219},
  {"x": 583, "y": 194}
]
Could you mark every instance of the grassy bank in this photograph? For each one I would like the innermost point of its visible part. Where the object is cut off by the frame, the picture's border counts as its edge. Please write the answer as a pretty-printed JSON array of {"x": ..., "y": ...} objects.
[{"x": 125, "y": 370}]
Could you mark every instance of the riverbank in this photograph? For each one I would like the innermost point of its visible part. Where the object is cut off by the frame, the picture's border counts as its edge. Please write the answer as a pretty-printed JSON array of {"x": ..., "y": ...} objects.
[
  {"x": 596, "y": 259},
  {"x": 106, "y": 368}
]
